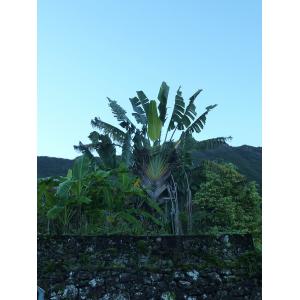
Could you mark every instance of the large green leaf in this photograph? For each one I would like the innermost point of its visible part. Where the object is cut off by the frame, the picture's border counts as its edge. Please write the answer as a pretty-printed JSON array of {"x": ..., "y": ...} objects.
[
  {"x": 107, "y": 152},
  {"x": 81, "y": 167},
  {"x": 163, "y": 98},
  {"x": 154, "y": 122},
  {"x": 64, "y": 188},
  {"x": 198, "y": 125},
  {"x": 113, "y": 132},
  {"x": 120, "y": 114},
  {"x": 105, "y": 149},
  {"x": 190, "y": 112},
  {"x": 86, "y": 150},
  {"x": 139, "y": 113},
  {"x": 144, "y": 100},
  {"x": 94, "y": 136},
  {"x": 178, "y": 110},
  {"x": 118, "y": 111},
  {"x": 126, "y": 150}
]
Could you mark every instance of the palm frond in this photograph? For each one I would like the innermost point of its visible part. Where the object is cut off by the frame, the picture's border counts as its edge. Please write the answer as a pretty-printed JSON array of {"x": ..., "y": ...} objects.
[
  {"x": 163, "y": 98},
  {"x": 86, "y": 150},
  {"x": 81, "y": 167},
  {"x": 120, "y": 114},
  {"x": 107, "y": 151},
  {"x": 94, "y": 136},
  {"x": 64, "y": 188},
  {"x": 144, "y": 100},
  {"x": 198, "y": 125},
  {"x": 190, "y": 112},
  {"x": 126, "y": 150},
  {"x": 113, "y": 132},
  {"x": 139, "y": 113},
  {"x": 178, "y": 110}
]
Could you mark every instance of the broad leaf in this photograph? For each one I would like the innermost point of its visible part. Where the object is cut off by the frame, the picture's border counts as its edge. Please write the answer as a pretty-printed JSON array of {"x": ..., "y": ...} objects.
[
  {"x": 64, "y": 188},
  {"x": 163, "y": 98},
  {"x": 139, "y": 113},
  {"x": 144, "y": 100},
  {"x": 86, "y": 150},
  {"x": 154, "y": 122},
  {"x": 120, "y": 114},
  {"x": 94, "y": 136},
  {"x": 126, "y": 150},
  {"x": 190, "y": 112},
  {"x": 113, "y": 132},
  {"x": 198, "y": 125},
  {"x": 81, "y": 167},
  {"x": 107, "y": 152},
  {"x": 178, "y": 110}
]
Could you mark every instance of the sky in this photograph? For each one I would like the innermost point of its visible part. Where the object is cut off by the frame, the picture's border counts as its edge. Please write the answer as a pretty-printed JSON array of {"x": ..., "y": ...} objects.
[{"x": 92, "y": 49}]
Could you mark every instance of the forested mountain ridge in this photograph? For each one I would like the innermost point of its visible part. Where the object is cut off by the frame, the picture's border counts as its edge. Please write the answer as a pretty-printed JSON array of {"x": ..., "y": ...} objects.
[
  {"x": 52, "y": 166},
  {"x": 248, "y": 159}
]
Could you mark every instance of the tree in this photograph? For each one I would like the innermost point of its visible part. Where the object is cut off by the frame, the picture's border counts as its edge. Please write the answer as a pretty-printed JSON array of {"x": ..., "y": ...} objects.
[
  {"x": 153, "y": 158},
  {"x": 226, "y": 201}
]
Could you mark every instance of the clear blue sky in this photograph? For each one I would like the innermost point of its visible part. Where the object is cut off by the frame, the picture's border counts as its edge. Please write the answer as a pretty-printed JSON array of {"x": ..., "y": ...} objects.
[{"x": 90, "y": 49}]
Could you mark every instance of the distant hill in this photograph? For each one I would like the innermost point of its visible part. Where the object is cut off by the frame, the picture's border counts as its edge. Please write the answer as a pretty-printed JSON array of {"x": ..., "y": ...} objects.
[
  {"x": 248, "y": 159},
  {"x": 52, "y": 166}
]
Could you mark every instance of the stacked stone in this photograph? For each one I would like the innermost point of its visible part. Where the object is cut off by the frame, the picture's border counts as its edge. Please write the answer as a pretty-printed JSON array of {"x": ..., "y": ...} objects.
[{"x": 169, "y": 267}]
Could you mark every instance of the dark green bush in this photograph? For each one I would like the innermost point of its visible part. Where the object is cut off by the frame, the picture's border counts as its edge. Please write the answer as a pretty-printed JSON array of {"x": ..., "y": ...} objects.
[{"x": 226, "y": 202}]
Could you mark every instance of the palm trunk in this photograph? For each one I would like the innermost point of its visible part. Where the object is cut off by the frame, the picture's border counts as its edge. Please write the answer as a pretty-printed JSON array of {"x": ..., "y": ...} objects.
[
  {"x": 189, "y": 204},
  {"x": 172, "y": 189}
]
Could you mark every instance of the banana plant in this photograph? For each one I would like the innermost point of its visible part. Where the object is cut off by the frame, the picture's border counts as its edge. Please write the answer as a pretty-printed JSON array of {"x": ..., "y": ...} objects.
[
  {"x": 152, "y": 157},
  {"x": 71, "y": 193}
]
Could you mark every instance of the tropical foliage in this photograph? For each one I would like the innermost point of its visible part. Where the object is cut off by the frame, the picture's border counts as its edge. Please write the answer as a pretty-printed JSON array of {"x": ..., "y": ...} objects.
[
  {"x": 154, "y": 159},
  {"x": 152, "y": 187},
  {"x": 226, "y": 202},
  {"x": 96, "y": 201},
  {"x": 89, "y": 201}
]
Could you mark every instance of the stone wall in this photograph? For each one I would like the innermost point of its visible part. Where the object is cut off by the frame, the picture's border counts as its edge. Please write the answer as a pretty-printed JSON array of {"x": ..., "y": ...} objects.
[{"x": 165, "y": 267}]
